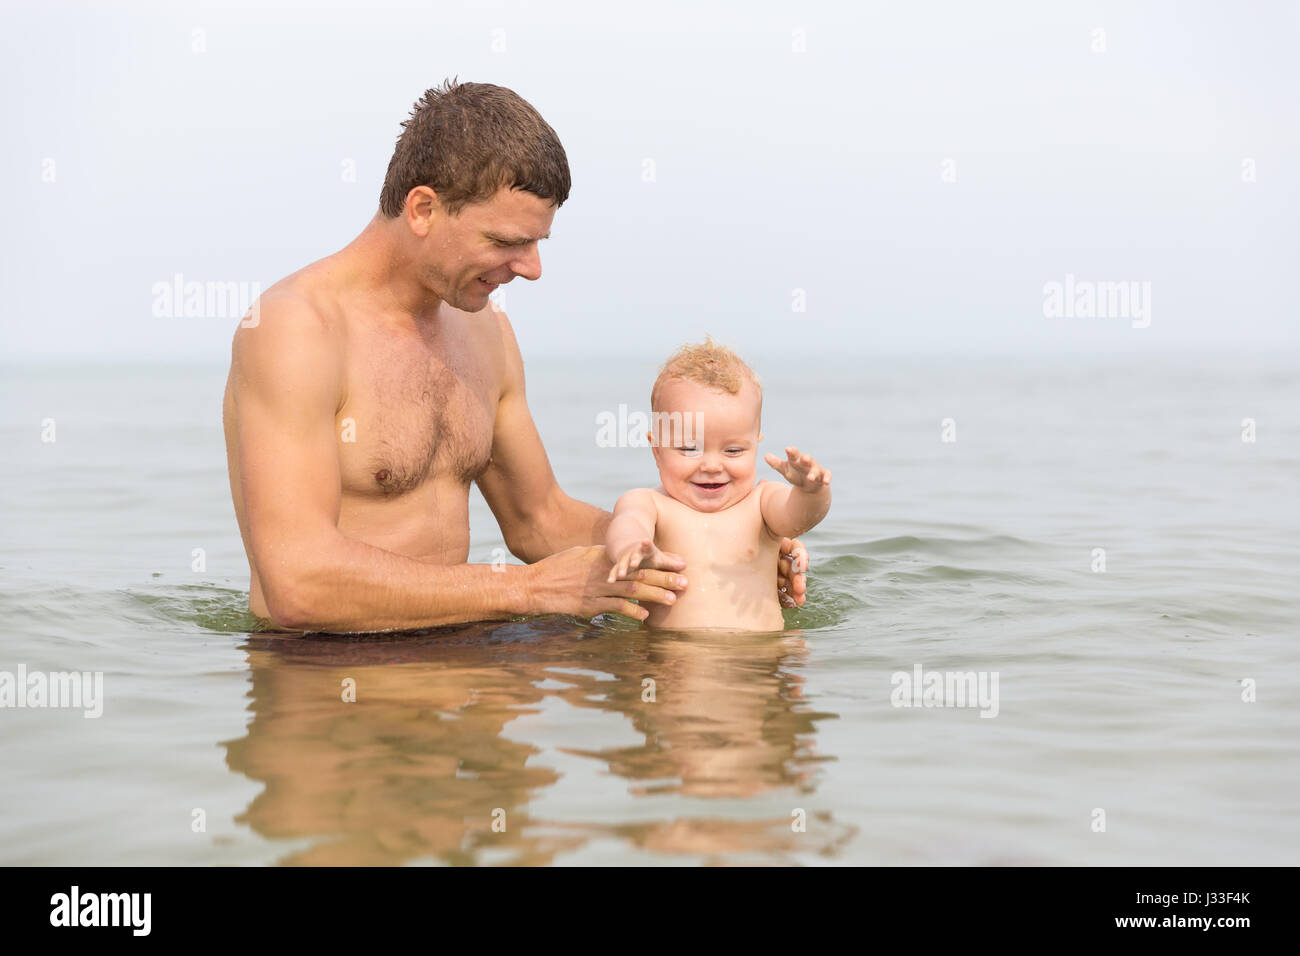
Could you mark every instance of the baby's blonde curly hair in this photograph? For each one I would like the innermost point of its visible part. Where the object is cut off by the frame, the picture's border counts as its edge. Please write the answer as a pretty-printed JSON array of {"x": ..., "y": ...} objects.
[{"x": 708, "y": 364}]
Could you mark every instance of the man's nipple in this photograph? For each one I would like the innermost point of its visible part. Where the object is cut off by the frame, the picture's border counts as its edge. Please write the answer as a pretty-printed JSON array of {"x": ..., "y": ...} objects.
[{"x": 382, "y": 475}]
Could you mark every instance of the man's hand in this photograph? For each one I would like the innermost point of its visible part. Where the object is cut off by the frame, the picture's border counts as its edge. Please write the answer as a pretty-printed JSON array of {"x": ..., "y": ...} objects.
[
  {"x": 576, "y": 581},
  {"x": 643, "y": 554},
  {"x": 791, "y": 566}
]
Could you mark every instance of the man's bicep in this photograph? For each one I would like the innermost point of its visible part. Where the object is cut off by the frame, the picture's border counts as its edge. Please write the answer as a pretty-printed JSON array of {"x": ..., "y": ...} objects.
[
  {"x": 287, "y": 380},
  {"x": 519, "y": 482}
]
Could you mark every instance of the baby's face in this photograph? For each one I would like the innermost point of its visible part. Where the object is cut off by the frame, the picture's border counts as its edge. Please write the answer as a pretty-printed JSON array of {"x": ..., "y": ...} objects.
[{"x": 706, "y": 443}]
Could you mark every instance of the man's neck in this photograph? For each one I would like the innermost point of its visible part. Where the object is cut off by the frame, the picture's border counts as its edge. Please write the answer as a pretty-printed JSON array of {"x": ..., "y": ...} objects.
[{"x": 375, "y": 264}]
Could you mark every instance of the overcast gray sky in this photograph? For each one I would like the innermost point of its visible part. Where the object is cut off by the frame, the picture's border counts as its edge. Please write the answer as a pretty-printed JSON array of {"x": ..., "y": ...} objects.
[{"x": 919, "y": 170}]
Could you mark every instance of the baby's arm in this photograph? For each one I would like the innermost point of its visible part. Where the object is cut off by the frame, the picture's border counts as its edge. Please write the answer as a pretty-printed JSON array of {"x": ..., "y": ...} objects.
[
  {"x": 790, "y": 510},
  {"x": 629, "y": 542}
]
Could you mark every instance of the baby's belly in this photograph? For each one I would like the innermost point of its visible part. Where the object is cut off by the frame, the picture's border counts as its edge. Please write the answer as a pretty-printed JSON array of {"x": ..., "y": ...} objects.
[{"x": 742, "y": 599}]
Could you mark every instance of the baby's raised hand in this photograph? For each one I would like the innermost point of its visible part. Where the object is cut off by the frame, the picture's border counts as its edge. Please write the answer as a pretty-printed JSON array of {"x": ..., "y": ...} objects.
[
  {"x": 634, "y": 556},
  {"x": 800, "y": 470}
]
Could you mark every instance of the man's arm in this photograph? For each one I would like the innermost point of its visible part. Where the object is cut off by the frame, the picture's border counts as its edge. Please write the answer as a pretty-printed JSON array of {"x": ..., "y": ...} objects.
[
  {"x": 536, "y": 517},
  {"x": 287, "y": 373}
]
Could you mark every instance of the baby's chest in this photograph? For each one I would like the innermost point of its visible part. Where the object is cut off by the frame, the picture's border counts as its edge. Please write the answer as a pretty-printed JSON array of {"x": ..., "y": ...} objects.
[{"x": 724, "y": 542}]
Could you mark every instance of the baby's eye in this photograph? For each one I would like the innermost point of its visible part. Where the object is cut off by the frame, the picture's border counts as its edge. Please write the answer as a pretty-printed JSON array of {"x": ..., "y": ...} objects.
[
  {"x": 690, "y": 451},
  {"x": 735, "y": 451}
]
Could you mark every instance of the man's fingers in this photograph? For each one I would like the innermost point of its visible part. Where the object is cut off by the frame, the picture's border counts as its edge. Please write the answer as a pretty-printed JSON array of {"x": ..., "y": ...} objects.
[
  {"x": 661, "y": 590},
  {"x": 798, "y": 586},
  {"x": 667, "y": 561},
  {"x": 646, "y": 594},
  {"x": 797, "y": 552},
  {"x": 791, "y": 563},
  {"x": 626, "y": 608},
  {"x": 661, "y": 579}
]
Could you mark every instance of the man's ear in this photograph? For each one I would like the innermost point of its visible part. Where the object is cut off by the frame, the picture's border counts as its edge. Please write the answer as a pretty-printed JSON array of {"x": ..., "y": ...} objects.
[{"x": 420, "y": 209}]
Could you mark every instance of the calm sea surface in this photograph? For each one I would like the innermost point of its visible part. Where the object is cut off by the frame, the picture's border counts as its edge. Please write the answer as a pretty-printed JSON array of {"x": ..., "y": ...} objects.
[{"x": 1159, "y": 697}]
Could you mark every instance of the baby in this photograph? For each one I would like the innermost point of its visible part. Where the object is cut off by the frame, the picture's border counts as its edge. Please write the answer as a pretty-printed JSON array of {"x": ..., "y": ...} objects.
[{"x": 706, "y": 404}]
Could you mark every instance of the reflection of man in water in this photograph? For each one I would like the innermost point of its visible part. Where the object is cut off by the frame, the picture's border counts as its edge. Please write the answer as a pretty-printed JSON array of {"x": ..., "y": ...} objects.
[
  {"x": 417, "y": 766},
  {"x": 370, "y": 388}
]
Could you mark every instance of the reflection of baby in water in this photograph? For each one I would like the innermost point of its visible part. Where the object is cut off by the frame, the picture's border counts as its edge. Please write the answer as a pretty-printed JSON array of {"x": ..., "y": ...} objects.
[
  {"x": 707, "y": 406},
  {"x": 446, "y": 731}
]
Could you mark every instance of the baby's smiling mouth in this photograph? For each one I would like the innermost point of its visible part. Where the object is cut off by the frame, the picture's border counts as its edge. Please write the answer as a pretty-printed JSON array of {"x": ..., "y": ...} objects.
[{"x": 709, "y": 485}]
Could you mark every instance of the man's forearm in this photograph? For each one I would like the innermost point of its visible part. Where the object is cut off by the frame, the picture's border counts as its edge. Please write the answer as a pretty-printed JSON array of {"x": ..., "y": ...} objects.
[
  {"x": 565, "y": 523},
  {"x": 354, "y": 586}
]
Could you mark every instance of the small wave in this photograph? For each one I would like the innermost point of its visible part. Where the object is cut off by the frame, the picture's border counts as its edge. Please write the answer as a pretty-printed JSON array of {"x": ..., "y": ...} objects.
[
  {"x": 834, "y": 596},
  {"x": 213, "y": 608},
  {"x": 940, "y": 547},
  {"x": 943, "y": 572}
]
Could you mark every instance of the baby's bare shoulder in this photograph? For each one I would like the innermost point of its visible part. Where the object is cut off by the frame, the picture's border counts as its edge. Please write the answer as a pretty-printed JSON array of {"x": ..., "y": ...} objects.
[{"x": 638, "y": 499}]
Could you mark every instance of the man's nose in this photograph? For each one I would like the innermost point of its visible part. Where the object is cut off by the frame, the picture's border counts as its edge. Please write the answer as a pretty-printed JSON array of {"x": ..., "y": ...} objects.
[{"x": 528, "y": 265}]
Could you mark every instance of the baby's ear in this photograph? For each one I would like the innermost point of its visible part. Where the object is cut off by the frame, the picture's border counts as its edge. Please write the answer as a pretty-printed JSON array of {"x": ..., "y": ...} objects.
[{"x": 760, "y": 436}]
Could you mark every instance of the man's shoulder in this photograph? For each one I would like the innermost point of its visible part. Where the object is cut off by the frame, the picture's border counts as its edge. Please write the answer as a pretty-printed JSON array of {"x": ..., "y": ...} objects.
[
  {"x": 495, "y": 316},
  {"x": 297, "y": 305},
  {"x": 289, "y": 332},
  {"x": 306, "y": 296},
  {"x": 497, "y": 336}
]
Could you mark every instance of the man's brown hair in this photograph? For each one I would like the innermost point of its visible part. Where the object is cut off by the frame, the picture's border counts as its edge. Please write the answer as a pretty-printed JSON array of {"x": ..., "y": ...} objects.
[{"x": 467, "y": 140}]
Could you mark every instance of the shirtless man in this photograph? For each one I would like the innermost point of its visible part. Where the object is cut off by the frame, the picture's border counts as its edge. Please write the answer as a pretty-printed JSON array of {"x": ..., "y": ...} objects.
[{"x": 369, "y": 389}]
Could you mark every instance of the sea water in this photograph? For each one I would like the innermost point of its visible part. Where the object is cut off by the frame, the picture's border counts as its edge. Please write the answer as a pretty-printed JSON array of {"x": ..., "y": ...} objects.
[{"x": 1052, "y": 619}]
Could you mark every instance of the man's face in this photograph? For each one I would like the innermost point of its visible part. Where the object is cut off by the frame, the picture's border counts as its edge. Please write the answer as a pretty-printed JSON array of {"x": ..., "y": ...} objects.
[
  {"x": 485, "y": 246},
  {"x": 706, "y": 443}
]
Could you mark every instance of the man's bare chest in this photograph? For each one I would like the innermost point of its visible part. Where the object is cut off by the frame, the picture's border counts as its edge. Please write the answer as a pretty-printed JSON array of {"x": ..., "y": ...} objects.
[{"x": 411, "y": 416}]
